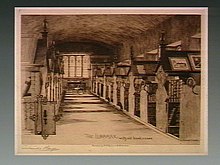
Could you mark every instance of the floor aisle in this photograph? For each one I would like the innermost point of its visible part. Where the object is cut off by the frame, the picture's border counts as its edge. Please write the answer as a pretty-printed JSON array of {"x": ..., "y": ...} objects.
[{"x": 89, "y": 121}]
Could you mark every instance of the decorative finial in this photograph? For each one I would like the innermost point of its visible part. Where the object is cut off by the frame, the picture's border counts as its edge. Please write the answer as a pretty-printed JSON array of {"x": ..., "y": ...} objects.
[
  {"x": 132, "y": 53},
  {"x": 162, "y": 39},
  {"x": 162, "y": 45},
  {"x": 45, "y": 24},
  {"x": 44, "y": 33}
]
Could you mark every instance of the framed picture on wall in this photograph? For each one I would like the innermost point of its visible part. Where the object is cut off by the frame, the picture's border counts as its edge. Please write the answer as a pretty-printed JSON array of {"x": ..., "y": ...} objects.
[
  {"x": 179, "y": 63},
  {"x": 195, "y": 61}
]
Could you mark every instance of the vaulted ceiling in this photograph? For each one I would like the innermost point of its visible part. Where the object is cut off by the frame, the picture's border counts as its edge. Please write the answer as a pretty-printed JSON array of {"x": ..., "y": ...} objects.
[{"x": 107, "y": 29}]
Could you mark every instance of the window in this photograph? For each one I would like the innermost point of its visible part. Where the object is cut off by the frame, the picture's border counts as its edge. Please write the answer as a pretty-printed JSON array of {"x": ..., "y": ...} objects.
[{"x": 76, "y": 65}]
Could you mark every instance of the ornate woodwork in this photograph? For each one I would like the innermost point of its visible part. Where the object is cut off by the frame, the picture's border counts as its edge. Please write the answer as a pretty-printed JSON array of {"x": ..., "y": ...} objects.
[
  {"x": 112, "y": 89},
  {"x": 151, "y": 103},
  {"x": 173, "y": 105},
  {"x": 126, "y": 95},
  {"x": 102, "y": 90},
  {"x": 138, "y": 83},
  {"x": 118, "y": 93}
]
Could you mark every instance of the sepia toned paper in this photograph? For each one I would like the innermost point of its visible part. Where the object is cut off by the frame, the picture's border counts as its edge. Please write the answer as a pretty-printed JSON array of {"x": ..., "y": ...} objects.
[{"x": 99, "y": 125}]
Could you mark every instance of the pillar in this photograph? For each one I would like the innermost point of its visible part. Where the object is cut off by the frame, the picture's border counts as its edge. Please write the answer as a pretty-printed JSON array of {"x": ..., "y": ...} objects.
[
  {"x": 114, "y": 91},
  {"x": 104, "y": 87},
  {"x": 131, "y": 95},
  {"x": 143, "y": 105},
  {"x": 122, "y": 95}
]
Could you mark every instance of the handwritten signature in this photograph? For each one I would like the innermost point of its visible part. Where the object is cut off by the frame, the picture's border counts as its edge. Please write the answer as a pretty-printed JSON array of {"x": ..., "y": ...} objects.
[{"x": 41, "y": 148}]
